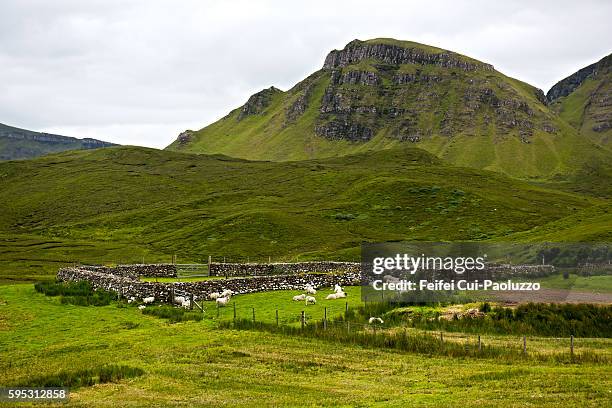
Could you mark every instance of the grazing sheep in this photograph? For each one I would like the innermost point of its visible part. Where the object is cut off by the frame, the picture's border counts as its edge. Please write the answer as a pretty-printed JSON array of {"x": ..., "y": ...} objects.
[
  {"x": 309, "y": 289},
  {"x": 186, "y": 304},
  {"x": 222, "y": 301},
  {"x": 141, "y": 307},
  {"x": 179, "y": 300},
  {"x": 375, "y": 320},
  {"x": 310, "y": 300},
  {"x": 214, "y": 295},
  {"x": 148, "y": 300},
  {"x": 299, "y": 298},
  {"x": 337, "y": 288},
  {"x": 337, "y": 295},
  {"x": 227, "y": 293}
]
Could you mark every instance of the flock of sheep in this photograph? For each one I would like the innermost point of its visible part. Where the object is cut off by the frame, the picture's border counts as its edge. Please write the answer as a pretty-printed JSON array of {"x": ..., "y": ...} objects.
[
  {"x": 310, "y": 290},
  {"x": 222, "y": 299}
]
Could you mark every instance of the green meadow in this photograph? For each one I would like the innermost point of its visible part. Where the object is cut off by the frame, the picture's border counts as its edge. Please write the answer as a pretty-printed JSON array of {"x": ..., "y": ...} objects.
[{"x": 199, "y": 364}]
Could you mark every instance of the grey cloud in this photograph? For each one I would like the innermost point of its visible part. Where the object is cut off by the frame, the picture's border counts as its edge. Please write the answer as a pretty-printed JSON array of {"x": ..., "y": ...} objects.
[{"x": 140, "y": 71}]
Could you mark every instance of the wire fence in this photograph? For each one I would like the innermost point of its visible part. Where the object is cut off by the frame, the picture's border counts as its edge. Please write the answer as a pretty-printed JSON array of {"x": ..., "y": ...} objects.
[{"x": 331, "y": 323}]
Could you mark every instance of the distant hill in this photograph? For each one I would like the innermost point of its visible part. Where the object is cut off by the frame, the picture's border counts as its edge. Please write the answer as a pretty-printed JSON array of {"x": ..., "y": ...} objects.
[
  {"x": 16, "y": 143},
  {"x": 584, "y": 99},
  {"x": 380, "y": 93}
]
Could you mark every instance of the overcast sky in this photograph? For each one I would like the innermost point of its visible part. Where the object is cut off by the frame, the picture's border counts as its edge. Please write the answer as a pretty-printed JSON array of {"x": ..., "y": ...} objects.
[{"x": 141, "y": 71}]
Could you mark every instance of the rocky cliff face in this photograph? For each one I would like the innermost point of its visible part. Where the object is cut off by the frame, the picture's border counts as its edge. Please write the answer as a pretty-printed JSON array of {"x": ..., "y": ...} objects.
[
  {"x": 584, "y": 99},
  {"x": 357, "y": 51},
  {"x": 379, "y": 85},
  {"x": 16, "y": 143},
  {"x": 568, "y": 85},
  {"x": 258, "y": 102}
]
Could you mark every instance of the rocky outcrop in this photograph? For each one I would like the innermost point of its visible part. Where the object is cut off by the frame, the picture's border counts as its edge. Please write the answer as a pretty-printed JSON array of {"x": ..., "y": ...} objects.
[
  {"x": 357, "y": 51},
  {"x": 568, "y": 85},
  {"x": 184, "y": 138},
  {"x": 344, "y": 129},
  {"x": 258, "y": 102}
]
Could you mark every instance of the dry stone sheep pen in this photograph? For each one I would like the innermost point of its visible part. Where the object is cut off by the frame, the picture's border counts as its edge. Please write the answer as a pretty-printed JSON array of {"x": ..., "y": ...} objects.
[{"x": 124, "y": 279}]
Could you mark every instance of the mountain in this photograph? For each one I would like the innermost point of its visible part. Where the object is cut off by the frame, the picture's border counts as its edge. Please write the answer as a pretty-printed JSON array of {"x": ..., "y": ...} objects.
[
  {"x": 584, "y": 100},
  {"x": 18, "y": 143},
  {"x": 380, "y": 93},
  {"x": 125, "y": 203}
]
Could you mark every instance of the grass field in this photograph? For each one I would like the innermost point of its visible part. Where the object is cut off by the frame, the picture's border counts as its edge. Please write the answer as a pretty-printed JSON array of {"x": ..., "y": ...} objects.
[
  {"x": 157, "y": 204},
  {"x": 197, "y": 364}
]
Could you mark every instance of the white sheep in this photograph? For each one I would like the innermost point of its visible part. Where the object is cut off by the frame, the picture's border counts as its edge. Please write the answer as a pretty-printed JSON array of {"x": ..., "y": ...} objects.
[
  {"x": 141, "y": 307},
  {"x": 227, "y": 293},
  {"x": 337, "y": 288},
  {"x": 340, "y": 295},
  {"x": 375, "y": 320},
  {"x": 299, "y": 298},
  {"x": 222, "y": 301},
  {"x": 214, "y": 295},
  {"x": 309, "y": 289},
  {"x": 332, "y": 296},
  {"x": 310, "y": 300},
  {"x": 148, "y": 300},
  {"x": 179, "y": 300},
  {"x": 186, "y": 304}
]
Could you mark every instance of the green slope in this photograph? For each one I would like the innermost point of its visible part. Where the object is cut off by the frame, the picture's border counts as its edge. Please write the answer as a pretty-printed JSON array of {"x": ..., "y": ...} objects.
[
  {"x": 584, "y": 100},
  {"x": 380, "y": 93},
  {"x": 122, "y": 204}
]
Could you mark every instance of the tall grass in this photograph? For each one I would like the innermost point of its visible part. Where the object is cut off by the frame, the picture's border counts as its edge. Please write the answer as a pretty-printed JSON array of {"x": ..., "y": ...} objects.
[
  {"x": 553, "y": 320},
  {"x": 76, "y": 293},
  {"x": 402, "y": 340},
  {"x": 83, "y": 378},
  {"x": 173, "y": 314}
]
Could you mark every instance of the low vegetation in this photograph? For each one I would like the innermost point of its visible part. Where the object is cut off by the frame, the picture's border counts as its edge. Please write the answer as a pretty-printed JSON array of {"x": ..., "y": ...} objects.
[
  {"x": 173, "y": 314},
  {"x": 76, "y": 293},
  {"x": 83, "y": 378}
]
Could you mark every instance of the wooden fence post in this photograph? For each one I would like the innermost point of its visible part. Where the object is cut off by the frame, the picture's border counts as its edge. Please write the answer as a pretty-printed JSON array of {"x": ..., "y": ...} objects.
[
  {"x": 346, "y": 307},
  {"x": 525, "y": 345},
  {"x": 441, "y": 337},
  {"x": 253, "y": 315},
  {"x": 191, "y": 302},
  {"x": 234, "y": 303},
  {"x": 217, "y": 310},
  {"x": 276, "y": 317},
  {"x": 325, "y": 319},
  {"x": 572, "y": 346},
  {"x": 479, "y": 344},
  {"x": 302, "y": 319}
]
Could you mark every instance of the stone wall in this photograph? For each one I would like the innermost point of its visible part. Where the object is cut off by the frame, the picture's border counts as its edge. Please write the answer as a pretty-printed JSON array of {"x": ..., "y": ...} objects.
[
  {"x": 129, "y": 286},
  {"x": 137, "y": 270},
  {"x": 261, "y": 269}
]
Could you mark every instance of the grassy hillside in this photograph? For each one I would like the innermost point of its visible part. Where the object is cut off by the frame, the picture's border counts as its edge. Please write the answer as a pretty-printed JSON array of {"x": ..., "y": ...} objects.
[
  {"x": 460, "y": 109},
  {"x": 123, "y": 204},
  {"x": 16, "y": 143},
  {"x": 584, "y": 100}
]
